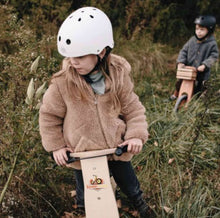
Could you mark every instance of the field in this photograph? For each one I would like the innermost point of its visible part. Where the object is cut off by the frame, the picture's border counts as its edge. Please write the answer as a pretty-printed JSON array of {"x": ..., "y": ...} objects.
[{"x": 179, "y": 165}]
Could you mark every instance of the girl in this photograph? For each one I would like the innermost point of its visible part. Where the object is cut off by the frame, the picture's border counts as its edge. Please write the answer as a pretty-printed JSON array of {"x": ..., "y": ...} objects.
[{"x": 90, "y": 103}]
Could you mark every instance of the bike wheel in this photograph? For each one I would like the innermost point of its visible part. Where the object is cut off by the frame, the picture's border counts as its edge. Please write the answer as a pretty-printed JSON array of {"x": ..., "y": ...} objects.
[
  {"x": 99, "y": 181},
  {"x": 179, "y": 102}
]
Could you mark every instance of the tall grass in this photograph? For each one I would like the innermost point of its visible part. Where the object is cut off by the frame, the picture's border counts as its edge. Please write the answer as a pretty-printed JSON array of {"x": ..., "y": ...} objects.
[
  {"x": 179, "y": 165},
  {"x": 144, "y": 56},
  {"x": 178, "y": 168}
]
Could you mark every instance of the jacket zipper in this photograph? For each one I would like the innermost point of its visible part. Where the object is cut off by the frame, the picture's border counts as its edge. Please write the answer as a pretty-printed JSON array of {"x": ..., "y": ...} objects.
[{"x": 96, "y": 104}]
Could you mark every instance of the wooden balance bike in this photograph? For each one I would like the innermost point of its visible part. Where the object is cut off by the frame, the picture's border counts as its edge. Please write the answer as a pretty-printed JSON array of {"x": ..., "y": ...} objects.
[
  {"x": 188, "y": 76},
  {"x": 100, "y": 199}
]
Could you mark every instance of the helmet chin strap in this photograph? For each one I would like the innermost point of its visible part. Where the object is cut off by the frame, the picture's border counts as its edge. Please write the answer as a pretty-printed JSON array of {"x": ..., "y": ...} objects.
[
  {"x": 200, "y": 39},
  {"x": 86, "y": 77}
]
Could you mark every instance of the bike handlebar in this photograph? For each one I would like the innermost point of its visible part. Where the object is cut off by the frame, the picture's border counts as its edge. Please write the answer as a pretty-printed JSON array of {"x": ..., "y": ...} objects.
[
  {"x": 120, "y": 150},
  {"x": 72, "y": 157}
]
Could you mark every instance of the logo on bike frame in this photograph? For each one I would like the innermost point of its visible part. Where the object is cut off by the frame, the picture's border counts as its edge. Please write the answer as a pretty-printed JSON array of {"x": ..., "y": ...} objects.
[{"x": 96, "y": 183}]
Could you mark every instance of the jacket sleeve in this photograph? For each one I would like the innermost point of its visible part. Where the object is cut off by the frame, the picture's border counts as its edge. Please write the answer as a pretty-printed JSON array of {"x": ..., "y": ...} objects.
[
  {"x": 213, "y": 57},
  {"x": 182, "y": 57},
  {"x": 132, "y": 109},
  {"x": 51, "y": 115}
]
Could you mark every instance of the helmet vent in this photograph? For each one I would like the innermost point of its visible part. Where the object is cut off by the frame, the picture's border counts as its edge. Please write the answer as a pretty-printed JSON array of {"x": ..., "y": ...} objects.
[
  {"x": 91, "y": 16},
  {"x": 59, "y": 38},
  {"x": 79, "y": 19},
  {"x": 68, "y": 41}
]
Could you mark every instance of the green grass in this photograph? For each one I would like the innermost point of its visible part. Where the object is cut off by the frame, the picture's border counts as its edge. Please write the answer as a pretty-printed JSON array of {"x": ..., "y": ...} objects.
[
  {"x": 178, "y": 168},
  {"x": 179, "y": 164}
]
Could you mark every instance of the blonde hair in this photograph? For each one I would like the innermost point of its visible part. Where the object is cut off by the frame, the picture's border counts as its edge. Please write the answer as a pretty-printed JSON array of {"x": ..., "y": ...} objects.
[{"x": 79, "y": 88}]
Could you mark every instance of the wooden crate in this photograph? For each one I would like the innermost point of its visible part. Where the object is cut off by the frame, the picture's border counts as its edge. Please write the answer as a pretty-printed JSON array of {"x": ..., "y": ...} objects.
[{"x": 186, "y": 73}]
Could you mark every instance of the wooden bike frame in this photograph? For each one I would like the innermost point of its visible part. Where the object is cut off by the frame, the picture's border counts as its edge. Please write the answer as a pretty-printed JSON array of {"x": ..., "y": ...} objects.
[
  {"x": 100, "y": 199},
  {"x": 188, "y": 75}
]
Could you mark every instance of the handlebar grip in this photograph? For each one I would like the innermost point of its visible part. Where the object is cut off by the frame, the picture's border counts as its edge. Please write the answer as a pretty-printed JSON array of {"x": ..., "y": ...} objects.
[
  {"x": 120, "y": 150},
  {"x": 70, "y": 159}
]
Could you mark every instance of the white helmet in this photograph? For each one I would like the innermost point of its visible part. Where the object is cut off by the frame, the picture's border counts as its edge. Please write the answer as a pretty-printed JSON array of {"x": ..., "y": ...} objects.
[{"x": 87, "y": 30}]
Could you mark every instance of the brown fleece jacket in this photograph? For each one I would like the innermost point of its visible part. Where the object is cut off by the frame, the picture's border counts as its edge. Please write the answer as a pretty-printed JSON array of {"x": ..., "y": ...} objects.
[{"x": 88, "y": 125}]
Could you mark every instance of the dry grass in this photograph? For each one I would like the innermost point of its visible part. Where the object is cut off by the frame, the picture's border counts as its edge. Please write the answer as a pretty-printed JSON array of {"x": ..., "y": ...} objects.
[{"x": 178, "y": 167}]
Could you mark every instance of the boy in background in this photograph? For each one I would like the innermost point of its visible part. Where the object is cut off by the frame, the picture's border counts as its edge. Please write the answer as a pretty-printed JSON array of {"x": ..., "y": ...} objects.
[{"x": 200, "y": 51}]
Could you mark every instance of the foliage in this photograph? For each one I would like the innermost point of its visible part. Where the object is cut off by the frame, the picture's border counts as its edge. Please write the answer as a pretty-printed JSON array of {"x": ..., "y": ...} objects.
[
  {"x": 179, "y": 165},
  {"x": 165, "y": 21},
  {"x": 143, "y": 55}
]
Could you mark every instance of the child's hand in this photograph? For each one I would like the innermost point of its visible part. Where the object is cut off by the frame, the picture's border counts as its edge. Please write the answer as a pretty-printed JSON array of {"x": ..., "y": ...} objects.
[
  {"x": 180, "y": 65},
  {"x": 60, "y": 156},
  {"x": 201, "y": 68},
  {"x": 135, "y": 145}
]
